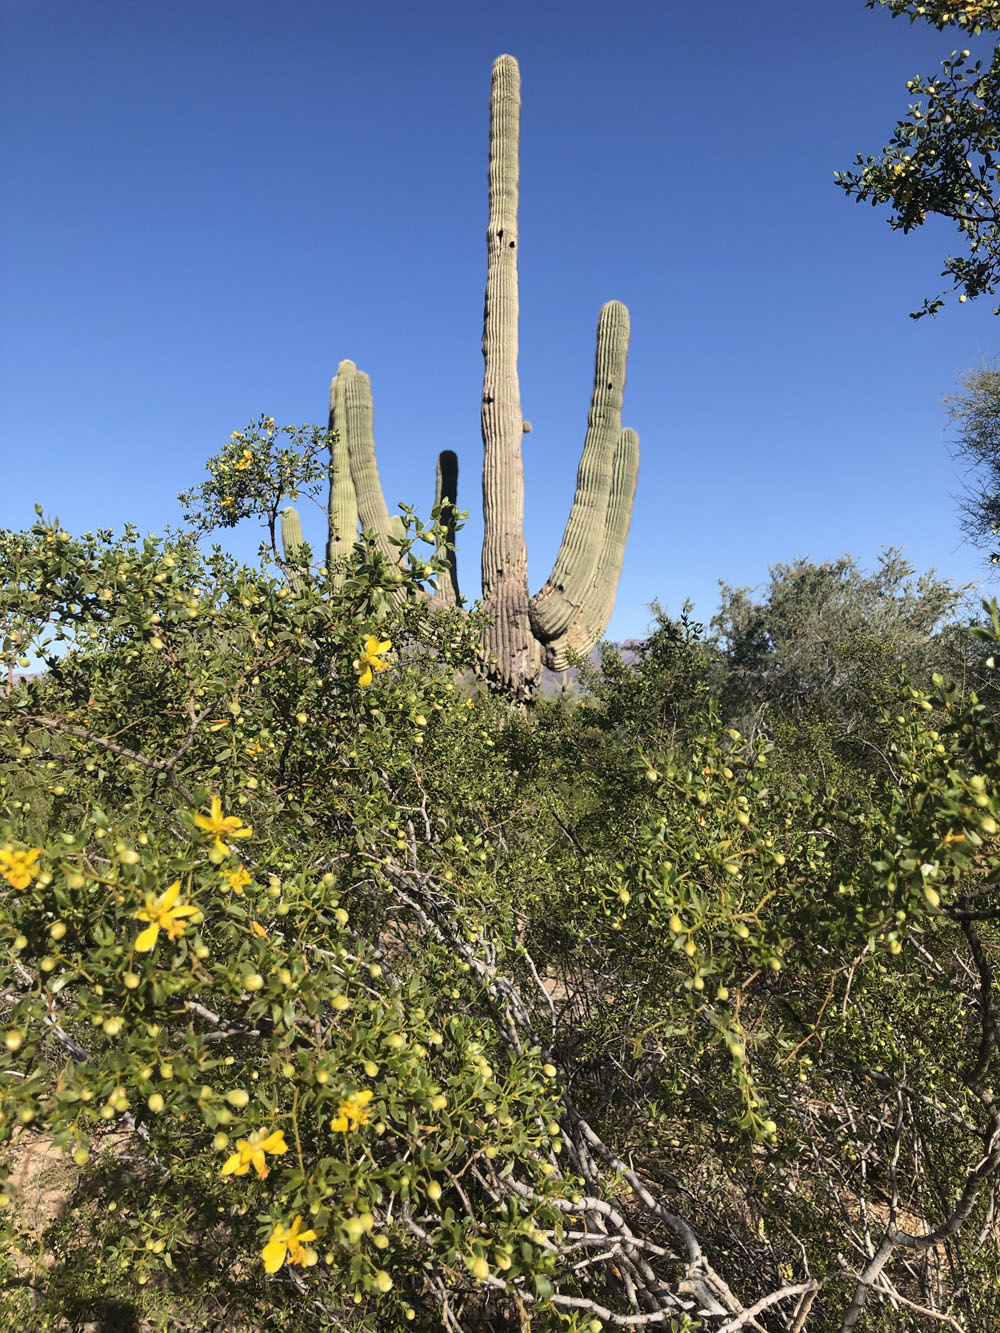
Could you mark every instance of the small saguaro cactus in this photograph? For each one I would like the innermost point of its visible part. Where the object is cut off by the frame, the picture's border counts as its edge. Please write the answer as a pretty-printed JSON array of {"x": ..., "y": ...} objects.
[
  {"x": 570, "y": 612},
  {"x": 356, "y": 496}
]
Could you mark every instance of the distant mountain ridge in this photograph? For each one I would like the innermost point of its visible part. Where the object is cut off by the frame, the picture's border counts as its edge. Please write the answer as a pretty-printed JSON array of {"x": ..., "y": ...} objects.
[{"x": 553, "y": 681}]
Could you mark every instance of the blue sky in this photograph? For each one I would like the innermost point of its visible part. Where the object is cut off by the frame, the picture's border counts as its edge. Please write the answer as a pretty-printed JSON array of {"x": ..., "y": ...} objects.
[{"x": 209, "y": 204}]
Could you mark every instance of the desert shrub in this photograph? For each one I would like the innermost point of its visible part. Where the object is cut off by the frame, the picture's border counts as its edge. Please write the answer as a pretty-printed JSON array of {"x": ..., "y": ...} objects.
[{"x": 354, "y": 997}]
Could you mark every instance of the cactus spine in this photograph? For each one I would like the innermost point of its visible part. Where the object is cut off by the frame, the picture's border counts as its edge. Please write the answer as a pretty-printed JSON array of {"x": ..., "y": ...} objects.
[{"x": 570, "y": 612}]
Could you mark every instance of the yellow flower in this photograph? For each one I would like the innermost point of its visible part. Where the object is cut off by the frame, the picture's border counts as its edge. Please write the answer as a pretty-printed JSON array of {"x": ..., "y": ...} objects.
[
  {"x": 218, "y": 824},
  {"x": 236, "y": 435},
  {"x": 244, "y": 462},
  {"x": 353, "y": 1112},
  {"x": 237, "y": 878},
  {"x": 289, "y": 1243},
  {"x": 370, "y": 659},
  {"x": 258, "y": 929},
  {"x": 227, "y": 500},
  {"x": 18, "y": 868},
  {"x": 250, "y": 1153},
  {"x": 163, "y": 913}
]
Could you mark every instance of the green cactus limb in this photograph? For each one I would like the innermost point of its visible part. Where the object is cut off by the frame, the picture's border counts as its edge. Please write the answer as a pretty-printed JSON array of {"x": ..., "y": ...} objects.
[
  {"x": 355, "y": 490},
  {"x": 445, "y": 503},
  {"x": 587, "y": 627},
  {"x": 342, "y": 509},
  {"x": 292, "y": 542},
  {"x": 560, "y": 600},
  {"x": 359, "y": 429},
  {"x": 509, "y": 647}
]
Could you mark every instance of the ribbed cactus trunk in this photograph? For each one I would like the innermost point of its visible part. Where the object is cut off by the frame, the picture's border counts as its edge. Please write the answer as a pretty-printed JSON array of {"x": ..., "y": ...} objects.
[
  {"x": 342, "y": 507},
  {"x": 508, "y": 637}
]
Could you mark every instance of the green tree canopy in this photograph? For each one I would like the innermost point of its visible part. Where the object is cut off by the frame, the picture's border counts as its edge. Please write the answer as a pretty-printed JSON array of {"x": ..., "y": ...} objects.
[
  {"x": 815, "y": 658},
  {"x": 974, "y": 413},
  {"x": 944, "y": 154}
]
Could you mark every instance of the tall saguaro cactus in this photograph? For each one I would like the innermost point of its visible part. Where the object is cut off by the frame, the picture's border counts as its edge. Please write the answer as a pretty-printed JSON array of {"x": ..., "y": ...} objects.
[
  {"x": 572, "y": 609},
  {"x": 570, "y": 612},
  {"x": 509, "y": 635}
]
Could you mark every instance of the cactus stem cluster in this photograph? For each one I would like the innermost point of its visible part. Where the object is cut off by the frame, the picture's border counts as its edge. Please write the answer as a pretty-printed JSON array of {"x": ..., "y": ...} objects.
[{"x": 570, "y": 612}]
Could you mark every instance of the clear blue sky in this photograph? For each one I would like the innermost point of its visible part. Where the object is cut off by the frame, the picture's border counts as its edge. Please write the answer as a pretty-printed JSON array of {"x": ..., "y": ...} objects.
[{"x": 209, "y": 203}]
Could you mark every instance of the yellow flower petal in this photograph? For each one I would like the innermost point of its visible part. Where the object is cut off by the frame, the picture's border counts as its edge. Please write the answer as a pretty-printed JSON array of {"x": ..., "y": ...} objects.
[
  {"x": 171, "y": 896},
  {"x": 273, "y": 1255},
  {"x": 275, "y": 1143},
  {"x": 146, "y": 939}
]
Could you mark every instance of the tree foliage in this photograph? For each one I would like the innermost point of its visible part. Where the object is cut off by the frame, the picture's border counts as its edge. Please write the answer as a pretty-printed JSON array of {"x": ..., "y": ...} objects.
[
  {"x": 974, "y": 414},
  {"x": 815, "y": 661},
  {"x": 944, "y": 154}
]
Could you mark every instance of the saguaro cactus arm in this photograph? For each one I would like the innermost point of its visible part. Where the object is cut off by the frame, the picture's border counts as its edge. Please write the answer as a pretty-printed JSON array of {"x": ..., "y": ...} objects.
[
  {"x": 356, "y": 492},
  {"x": 292, "y": 541},
  {"x": 508, "y": 637},
  {"x": 359, "y": 422},
  {"x": 342, "y": 507},
  {"x": 445, "y": 503},
  {"x": 587, "y": 627},
  {"x": 561, "y": 598}
]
